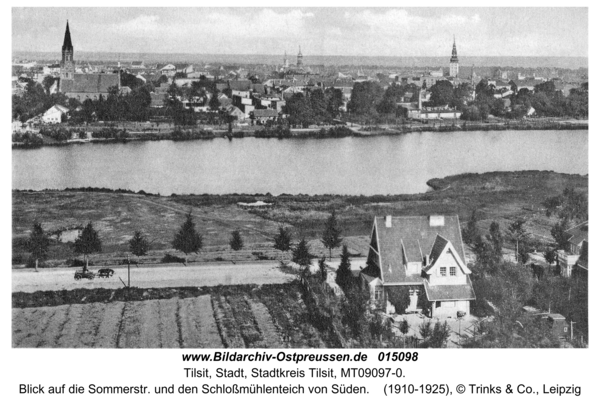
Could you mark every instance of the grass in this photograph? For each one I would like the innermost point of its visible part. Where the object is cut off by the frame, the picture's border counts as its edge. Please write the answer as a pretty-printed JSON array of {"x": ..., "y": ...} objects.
[{"x": 499, "y": 196}]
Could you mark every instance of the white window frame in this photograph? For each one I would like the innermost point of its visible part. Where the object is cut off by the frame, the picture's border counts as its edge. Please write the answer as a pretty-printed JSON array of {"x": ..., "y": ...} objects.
[
  {"x": 452, "y": 271},
  {"x": 443, "y": 271}
]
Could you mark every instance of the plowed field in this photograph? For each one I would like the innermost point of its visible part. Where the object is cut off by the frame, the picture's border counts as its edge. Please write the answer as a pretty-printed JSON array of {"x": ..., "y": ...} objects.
[{"x": 264, "y": 317}]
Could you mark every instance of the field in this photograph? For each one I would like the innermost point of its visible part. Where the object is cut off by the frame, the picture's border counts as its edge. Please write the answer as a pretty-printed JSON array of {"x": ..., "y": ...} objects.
[
  {"x": 497, "y": 196},
  {"x": 269, "y": 316}
]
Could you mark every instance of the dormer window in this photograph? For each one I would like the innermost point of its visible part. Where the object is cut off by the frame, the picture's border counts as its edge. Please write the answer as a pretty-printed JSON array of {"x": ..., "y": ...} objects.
[{"x": 442, "y": 271}]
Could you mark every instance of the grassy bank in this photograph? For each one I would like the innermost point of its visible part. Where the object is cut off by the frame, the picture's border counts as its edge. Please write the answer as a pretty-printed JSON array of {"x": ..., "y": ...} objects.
[{"x": 499, "y": 196}]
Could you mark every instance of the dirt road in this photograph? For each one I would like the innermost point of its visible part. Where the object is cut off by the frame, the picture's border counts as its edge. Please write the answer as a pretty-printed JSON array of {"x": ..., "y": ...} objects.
[{"x": 153, "y": 277}]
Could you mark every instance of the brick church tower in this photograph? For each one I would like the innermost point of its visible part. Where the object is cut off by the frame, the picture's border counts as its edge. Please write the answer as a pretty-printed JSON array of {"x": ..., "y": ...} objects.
[{"x": 67, "y": 65}]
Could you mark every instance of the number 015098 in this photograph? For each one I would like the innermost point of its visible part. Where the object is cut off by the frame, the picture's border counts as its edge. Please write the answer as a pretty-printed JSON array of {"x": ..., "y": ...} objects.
[{"x": 398, "y": 356}]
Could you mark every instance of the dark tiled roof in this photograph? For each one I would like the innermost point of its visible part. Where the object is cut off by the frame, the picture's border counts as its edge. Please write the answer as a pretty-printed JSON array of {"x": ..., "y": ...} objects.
[
  {"x": 413, "y": 236},
  {"x": 438, "y": 248},
  {"x": 240, "y": 85},
  {"x": 89, "y": 83},
  {"x": 578, "y": 233},
  {"x": 265, "y": 113},
  {"x": 450, "y": 292}
]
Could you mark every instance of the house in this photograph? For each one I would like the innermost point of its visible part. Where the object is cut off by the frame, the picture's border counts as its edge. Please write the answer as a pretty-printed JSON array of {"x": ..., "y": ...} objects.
[
  {"x": 425, "y": 257},
  {"x": 576, "y": 254},
  {"x": 168, "y": 70},
  {"x": 54, "y": 114},
  {"x": 262, "y": 116}
]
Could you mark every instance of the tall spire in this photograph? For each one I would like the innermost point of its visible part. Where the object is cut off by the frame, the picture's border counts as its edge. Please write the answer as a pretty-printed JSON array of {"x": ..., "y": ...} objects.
[
  {"x": 454, "y": 57},
  {"x": 67, "y": 45},
  {"x": 299, "y": 51}
]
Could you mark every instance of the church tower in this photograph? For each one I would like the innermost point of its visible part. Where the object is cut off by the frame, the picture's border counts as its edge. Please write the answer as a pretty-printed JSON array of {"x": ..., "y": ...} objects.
[
  {"x": 299, "y": 63},
  {"x": 286, "y": 62},
  {"x": 454, "y": 61},
  {"x": 67, "y": 65}
]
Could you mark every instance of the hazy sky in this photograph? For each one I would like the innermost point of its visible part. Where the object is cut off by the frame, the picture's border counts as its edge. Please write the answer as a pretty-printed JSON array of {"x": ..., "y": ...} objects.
[{"x": 320, "y": 31}]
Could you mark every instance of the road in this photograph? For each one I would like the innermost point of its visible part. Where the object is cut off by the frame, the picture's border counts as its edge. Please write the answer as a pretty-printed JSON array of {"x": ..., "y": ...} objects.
[{"x": 153, "y": 277}]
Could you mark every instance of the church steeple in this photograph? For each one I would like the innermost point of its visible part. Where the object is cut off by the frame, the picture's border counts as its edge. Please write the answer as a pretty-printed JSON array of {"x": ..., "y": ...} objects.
[
  {"x": 299, "y": 62},
  {"x": 454, "y": 58},
  {"x": 67, "y": 65},
  {"x": 454, "y": 61},
  {"x": 67, "y": 45}
]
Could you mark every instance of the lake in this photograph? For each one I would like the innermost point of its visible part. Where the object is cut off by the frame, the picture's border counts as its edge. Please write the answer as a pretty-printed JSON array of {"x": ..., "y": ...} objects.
[{"x": 398, "y": 164}]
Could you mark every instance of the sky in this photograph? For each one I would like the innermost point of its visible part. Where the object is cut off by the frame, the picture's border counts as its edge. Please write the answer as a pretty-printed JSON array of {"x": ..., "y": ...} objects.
[{"x": 320, "y": 31}]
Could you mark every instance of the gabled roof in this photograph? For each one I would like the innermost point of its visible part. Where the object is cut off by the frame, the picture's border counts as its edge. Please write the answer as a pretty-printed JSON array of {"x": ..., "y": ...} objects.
[
  {"x": 89, "y": 83},
  {"x": 439, "y": 246},
  {"x": 449, "y": 292},
  {"x": 412, "y": 237}
]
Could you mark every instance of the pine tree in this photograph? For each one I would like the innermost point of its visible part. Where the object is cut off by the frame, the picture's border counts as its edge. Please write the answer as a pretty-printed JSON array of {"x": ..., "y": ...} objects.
[
  {"x": 139, "y": 245},
  {"x": 471, "y": 232},
  {"x": 331, "y": 235},
  {"x": 38, "y": 243},
  {"x": 301, "y": 254},
  {"x": 283, "y": 240},
  {"x": 88, "y": 242},
  {"x": 236, "y": 242},
  {"x": 497, "y": 240},
  {"x": 343, "y": 275},
  {"x": 188, "y": 240}
]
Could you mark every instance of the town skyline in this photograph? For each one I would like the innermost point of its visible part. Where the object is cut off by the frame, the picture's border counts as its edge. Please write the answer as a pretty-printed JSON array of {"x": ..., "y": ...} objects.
[{"x": 521, "y": 32}]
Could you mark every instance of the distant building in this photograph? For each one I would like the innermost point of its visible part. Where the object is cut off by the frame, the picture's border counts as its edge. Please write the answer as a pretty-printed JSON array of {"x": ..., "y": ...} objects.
[
  {"x": 299, "y": 63},
  {"x": 79, "y": 85},
  {"x": 67, "y": 64},
  {"x": 454, "y": 61},
  {"x": 577, "y": 251},
  {"x": 54, "y": 114}
]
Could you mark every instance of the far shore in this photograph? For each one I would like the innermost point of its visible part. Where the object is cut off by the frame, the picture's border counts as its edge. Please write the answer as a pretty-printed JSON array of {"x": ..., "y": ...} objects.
[{"x": 126, "y": 134}]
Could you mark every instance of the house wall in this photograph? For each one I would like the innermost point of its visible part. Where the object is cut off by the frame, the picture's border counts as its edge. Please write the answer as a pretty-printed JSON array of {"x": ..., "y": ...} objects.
[
  {"x": 449, "y": 308},
  {"x": 447, "y": 260},
  {"x": 52, "y": 116}
]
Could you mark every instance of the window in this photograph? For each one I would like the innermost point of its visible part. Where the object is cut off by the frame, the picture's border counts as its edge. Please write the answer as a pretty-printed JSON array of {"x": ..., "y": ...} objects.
[
  {"x": 378, "y": 294},
  {"x": 442, "y": 271},
  {"x": 452, "y": 271}
]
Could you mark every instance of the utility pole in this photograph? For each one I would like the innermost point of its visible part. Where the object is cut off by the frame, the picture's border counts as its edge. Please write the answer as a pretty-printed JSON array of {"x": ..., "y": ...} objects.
[
  {"x": 128, "y": 273},
  {"x": 572, "y": 322}
]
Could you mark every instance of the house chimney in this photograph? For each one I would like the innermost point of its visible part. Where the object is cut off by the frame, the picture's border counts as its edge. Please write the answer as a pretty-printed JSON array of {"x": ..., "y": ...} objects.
[
  {"x": 388, "y": 221},
  {"x": 436, "y": 221}
]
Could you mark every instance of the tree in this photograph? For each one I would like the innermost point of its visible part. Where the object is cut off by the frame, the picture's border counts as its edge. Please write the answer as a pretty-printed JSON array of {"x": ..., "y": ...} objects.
[
  {"x": 323, "y": 269},
  {"x": 365, "y": 97},
  {"x": 497, "y": 240},
  {"x": 440, "y": 335},
  {"x": 442, "y": 93},
  {"x": 471, "y": 232},
  {"x": 425, "y": 330},
  {"x": 236, "y": 242},
  {"x": 560, "y": 235},
  {"x": 38, "y": 243},
  {"x": 188, "y": 240},
  {"x": 343, "y": 275},
  {"x": 139, "y": 245},
  {"x": 517, "y": 231},
  {"x": 88, "y": 242},
  {"x": 214, "y": 103},
  {"x": 404, "y": 329},
  {"x": 283, "y": 240},
  {"x": 399, "y": 296},
  {"x": 331, "y": 235},
  {"x": 301, "y": 254}
]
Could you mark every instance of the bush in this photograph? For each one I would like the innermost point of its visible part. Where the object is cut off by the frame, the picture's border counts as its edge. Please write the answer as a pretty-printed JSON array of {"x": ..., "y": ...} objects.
[{"x": 169, "y": 258}]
